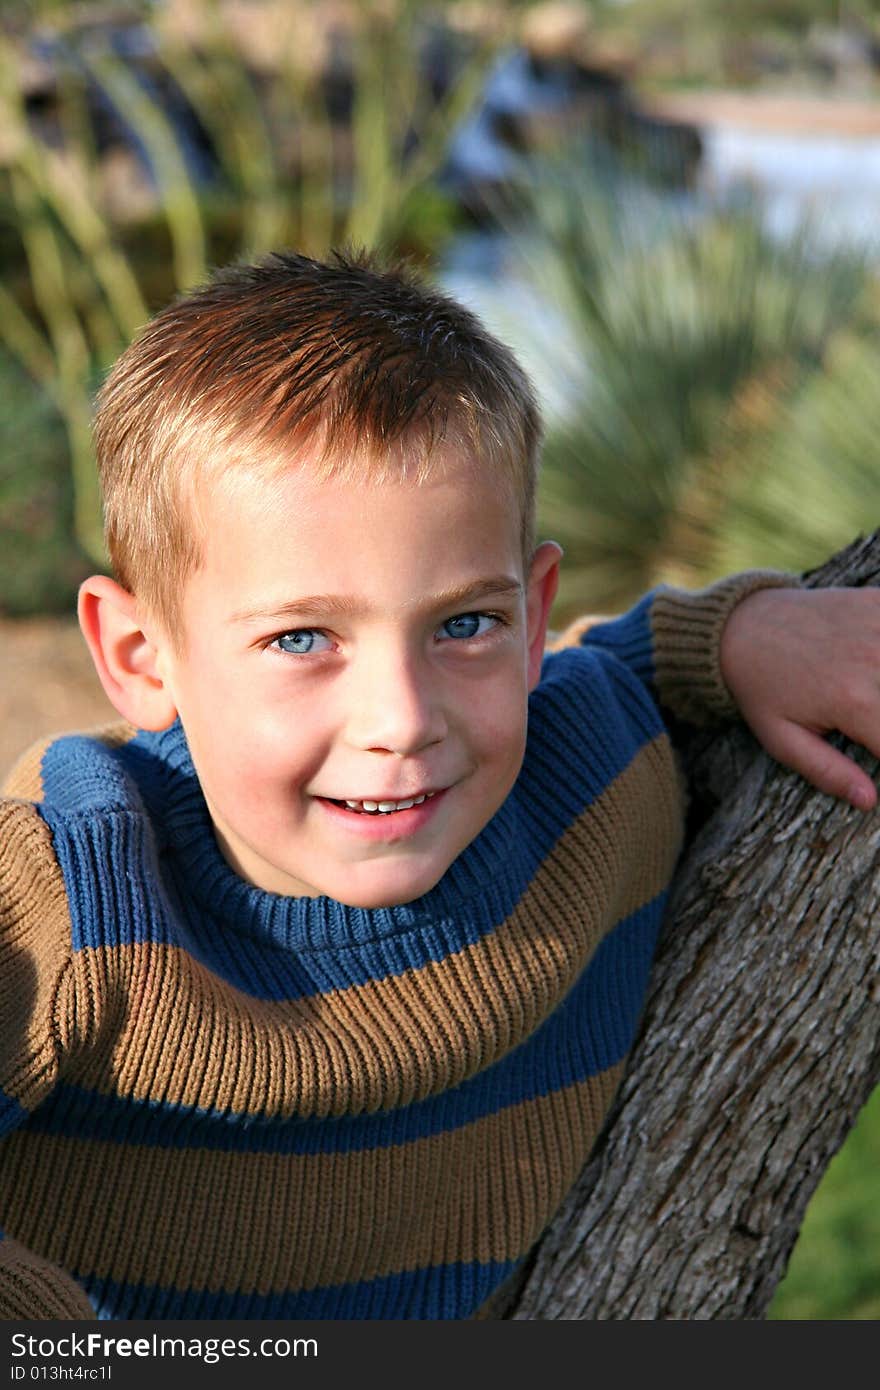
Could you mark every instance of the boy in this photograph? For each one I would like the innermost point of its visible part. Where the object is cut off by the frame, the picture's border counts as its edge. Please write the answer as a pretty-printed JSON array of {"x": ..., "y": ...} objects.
[{"x": 317, "y": 977}]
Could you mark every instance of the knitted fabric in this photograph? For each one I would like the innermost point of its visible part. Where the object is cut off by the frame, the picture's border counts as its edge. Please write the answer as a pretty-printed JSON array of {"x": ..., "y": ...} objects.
[{"x": 222, "y": 1103}]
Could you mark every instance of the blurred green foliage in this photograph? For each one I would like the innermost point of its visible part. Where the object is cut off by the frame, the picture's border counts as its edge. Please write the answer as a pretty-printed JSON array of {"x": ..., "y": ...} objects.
[
  {"x": 749, "y": 16},
  {"x": 93, "y": 239},
  {"x": 722, "y": 386},
  {"x": 749, "y": 43},
  {"x": 40, "y": 561}
]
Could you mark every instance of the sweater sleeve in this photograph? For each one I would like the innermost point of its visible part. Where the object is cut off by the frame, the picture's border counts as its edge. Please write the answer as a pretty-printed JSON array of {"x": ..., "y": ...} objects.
[
  {"x": 33, "y": 1290},
  {"x": 671, "y": 640},
  {"x": 34, "y": 971}
]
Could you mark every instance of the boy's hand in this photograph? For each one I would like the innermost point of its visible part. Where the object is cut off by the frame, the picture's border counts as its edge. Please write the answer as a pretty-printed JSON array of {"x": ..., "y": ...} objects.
[{"x": 801, "y": 662}]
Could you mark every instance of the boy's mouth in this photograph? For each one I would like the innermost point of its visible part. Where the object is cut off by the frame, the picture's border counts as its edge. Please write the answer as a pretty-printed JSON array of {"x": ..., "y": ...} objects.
[{"x": 382, "y": 808}]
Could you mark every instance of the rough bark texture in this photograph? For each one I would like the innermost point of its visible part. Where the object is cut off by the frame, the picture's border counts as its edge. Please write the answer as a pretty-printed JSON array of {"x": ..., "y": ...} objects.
[{"x": 759, "y": 1044}]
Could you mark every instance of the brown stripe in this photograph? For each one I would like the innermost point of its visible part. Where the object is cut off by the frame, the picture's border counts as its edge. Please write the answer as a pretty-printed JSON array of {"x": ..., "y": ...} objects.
[
  {"x": 266, "y": 1222},
  {"x": 34, "y": 953},
  {"x": 24, "y": 779},
  {"x": 388, "y": 1042}
]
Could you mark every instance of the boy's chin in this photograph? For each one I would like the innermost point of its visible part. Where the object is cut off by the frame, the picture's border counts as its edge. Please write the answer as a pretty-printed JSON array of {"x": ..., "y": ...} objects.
[
  {"x": 373, "y": 901},
  {"x": 385, "y": 890},
  {"x": 368, "y": 885}
]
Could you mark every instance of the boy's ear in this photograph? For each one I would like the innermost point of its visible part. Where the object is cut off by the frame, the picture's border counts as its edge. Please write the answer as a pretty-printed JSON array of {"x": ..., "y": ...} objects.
[
  {"x": 541, "y": 588},
  {"x": 126, "y": 659}
]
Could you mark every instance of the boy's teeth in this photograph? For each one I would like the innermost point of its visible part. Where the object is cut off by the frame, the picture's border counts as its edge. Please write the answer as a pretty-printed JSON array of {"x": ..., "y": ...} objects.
[{"x": 385, "y": 806}]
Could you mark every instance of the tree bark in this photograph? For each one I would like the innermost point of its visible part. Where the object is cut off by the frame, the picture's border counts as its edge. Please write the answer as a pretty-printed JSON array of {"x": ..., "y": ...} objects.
[{"x": 760, "y": 1042}]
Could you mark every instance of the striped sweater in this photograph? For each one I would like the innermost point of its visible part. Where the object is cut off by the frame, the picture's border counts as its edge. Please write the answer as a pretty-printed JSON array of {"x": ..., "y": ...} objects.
[{"x": 222, "y": 1103}]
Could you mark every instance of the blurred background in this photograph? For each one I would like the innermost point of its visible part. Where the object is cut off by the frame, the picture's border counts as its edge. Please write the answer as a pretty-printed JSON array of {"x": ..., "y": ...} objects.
[{"x": 669, "y": 208}]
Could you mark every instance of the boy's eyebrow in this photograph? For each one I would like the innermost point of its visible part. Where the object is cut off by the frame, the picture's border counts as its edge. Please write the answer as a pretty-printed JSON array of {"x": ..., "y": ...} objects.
[{"x": 326, "y": 605}]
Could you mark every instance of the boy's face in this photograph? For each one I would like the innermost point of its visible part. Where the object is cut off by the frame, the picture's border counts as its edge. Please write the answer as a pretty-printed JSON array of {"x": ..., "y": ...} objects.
[{"x": 355, "y": 645}]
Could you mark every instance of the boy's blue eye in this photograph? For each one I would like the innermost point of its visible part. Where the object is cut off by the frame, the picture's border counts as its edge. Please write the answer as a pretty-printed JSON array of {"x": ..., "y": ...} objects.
[
  {"x": 468, "y": 625},
  {"x": 302, "y": 641}
]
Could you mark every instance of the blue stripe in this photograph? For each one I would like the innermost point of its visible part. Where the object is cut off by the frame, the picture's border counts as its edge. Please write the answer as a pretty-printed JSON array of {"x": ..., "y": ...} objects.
[
  {"x": 629, "y": 638},
  {"x": 441, "y": 1292},
  {"x": 12, "y": 1115},
  {"x": 591, "y": 1030},
  {"x": 81, "y": 775}
]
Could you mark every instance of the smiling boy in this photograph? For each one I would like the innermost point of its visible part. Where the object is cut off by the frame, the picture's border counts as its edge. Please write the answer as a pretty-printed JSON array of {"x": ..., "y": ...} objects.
[{"x": 321, "y": 970}]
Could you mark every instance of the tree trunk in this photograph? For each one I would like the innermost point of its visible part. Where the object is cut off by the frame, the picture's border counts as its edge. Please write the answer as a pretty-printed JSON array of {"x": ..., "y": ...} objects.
[{"x": 760, "y": 1042}]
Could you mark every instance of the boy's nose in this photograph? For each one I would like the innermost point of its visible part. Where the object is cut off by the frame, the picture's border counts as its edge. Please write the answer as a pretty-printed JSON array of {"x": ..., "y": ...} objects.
[{"x": 394, "y": 707}]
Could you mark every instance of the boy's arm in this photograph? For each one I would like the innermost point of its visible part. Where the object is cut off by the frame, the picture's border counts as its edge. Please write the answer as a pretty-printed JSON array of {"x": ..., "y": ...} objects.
[
  {"x": 33, "y": 1290},
  {"x": 34, "y": 971},
  {"x": 793, "y": 663},
  {"x": 671, "y": 639}
]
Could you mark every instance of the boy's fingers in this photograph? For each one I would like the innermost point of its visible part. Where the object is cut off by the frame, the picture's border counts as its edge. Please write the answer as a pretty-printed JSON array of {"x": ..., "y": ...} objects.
[{"x": 823, "y": 766}]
